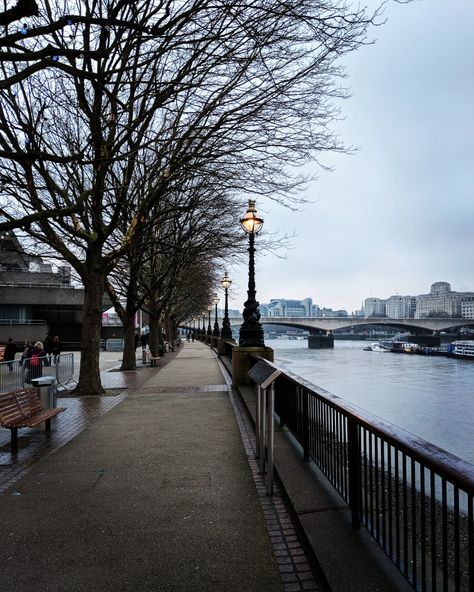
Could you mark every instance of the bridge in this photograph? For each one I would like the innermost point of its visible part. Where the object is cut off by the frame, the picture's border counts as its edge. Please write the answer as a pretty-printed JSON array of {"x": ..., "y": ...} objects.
[{"x": 329, "y": 324}]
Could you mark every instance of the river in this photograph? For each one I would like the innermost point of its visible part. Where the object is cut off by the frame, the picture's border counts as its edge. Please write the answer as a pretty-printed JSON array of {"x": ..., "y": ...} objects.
[{"x": 432, "y": 397}]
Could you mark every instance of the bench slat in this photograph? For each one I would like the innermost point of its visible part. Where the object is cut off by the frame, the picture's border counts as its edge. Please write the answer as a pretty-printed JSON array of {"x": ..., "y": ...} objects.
[
  {"x": 29, "y": 401},
  {"x": 35, "y": 420},
  {"x": 9, "y": 409}
]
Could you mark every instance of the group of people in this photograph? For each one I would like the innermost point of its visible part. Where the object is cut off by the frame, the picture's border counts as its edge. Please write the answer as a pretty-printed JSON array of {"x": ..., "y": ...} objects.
[{"x": 34, "y": 355}]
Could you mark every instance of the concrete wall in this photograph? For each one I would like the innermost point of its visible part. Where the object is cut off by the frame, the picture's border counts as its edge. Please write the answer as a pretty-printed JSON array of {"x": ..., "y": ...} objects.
[{"x": 20, "y": 333}]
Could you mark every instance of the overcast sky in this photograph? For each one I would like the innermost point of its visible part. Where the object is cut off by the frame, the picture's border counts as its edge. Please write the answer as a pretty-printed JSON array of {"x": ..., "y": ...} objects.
[{"x": 398, "y": 215}]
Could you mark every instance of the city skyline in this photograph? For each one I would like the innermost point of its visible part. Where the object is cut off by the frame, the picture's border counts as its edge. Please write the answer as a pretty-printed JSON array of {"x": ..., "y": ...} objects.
[
  {"x": 396, "y": 216},
  {"x": 439, "y": 291}
]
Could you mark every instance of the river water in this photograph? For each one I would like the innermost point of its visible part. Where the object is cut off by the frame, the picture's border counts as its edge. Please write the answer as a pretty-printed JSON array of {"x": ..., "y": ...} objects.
[{"x": 432, "y": 397}]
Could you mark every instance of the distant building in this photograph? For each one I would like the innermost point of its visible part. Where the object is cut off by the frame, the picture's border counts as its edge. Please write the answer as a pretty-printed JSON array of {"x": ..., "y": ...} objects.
[
  {"x": 280, "y": 307},
  {"x": 374, "y": 307},
  {"x": 287, "y": 308},
  {"x": 441, "y": 301},
  {"x": 467, "y": 307},
  {"x": 400, "y": 307},
  {"x": 330, "y": 313}
]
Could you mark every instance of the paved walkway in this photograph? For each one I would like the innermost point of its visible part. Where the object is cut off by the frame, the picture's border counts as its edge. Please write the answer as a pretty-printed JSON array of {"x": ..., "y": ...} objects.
[{"x": 152, "y": 489}]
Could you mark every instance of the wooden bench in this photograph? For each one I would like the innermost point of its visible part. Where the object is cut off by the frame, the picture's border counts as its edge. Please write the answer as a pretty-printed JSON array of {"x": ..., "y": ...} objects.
[
  {"x": 22, "y": 409},
  {"x": 152, "y": 359}
]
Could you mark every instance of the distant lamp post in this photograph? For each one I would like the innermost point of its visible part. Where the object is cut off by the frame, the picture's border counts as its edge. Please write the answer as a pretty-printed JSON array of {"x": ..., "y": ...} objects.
[
  {"x": 251, "y": 331},
  {"x": 216, "y": 332},
  {"x": 209, "y": 328},
  {"x": 226, "y": 332}
]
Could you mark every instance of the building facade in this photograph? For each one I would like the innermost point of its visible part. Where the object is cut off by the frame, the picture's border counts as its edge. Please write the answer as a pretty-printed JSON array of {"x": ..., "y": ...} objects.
[
  {"x": 35, "y": 297},
  {"x": 400, "y": 307},
  {"x": 374, "y": 307},
  {"x": 441, "y": 301},
  {"x": 467, "y": 307},
  {"x": 280, "y": 307}
]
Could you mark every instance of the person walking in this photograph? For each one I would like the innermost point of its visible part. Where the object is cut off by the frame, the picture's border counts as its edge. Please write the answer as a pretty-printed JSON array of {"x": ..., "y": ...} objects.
[
  {"x": 48, "y": 346},
  {"x": 56, "y": 350},
  {"x": 35, "y": 362},
  {"x": 9, "y": 353},
  {"x": 27, "y": 351}
]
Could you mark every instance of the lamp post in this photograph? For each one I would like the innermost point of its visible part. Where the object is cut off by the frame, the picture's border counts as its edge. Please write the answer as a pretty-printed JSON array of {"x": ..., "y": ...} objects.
[
  {"x": 226, "y": 332},
  {"x": 216, "y": 332},
  {"x": 209, "y": 328},
  {"x": 251, "y": 331}
]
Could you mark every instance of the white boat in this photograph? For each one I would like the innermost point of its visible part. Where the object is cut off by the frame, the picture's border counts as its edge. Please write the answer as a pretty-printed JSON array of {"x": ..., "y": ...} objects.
[
  {"x": 463, "y": 349},
  {"x": 381, "y": 346},
  {"x": 410, "y": 348}
]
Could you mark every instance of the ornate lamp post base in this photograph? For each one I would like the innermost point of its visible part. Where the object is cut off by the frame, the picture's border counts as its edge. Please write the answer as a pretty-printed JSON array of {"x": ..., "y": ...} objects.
[
  {"x": 226, "y": 332},
  {"x": 251, "y": 334}
]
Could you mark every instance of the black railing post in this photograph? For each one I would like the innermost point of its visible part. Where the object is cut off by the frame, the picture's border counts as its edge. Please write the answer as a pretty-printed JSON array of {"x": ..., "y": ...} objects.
[
  {"x": 355, "y": 466},
  {"x": 305, "y": 403}
]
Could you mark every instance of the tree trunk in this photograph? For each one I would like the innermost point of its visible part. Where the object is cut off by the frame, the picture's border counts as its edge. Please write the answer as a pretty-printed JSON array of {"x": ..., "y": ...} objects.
[
  {"x": 171, "y": 331},
  {"x": 89, "y": 376},
  {"x": 157, "y": 345},
  {"x": 129, "y": 359}
]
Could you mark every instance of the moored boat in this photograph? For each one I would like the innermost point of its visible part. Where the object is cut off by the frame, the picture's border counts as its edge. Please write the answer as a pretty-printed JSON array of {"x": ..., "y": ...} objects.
[
  {"x": 381, "y": 346},
  {"x": 463, "y": 349}
]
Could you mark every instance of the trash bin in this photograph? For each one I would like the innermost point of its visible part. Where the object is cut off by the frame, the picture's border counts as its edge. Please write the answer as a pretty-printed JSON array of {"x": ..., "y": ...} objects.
[{"x": 46, "y": 386}]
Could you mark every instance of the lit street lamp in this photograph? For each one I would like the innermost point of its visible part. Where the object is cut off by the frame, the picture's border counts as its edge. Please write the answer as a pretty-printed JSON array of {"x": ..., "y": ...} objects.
[
  {"x": 216, "y": 332},
  {"x": 251, "y": 331},
  {"x": 209, "y": 328},
  {"x": 226, "y": 332}
]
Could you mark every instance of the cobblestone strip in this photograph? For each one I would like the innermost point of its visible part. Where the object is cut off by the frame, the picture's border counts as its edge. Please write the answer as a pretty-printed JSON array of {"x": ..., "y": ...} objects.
[{"x": 295, "y": 570}]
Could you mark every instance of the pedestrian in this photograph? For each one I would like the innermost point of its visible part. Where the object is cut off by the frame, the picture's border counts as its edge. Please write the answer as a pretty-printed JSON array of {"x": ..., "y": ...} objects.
[
  {"x": 35, "y": 361},
  {"x": 27, "y": 351},
  {"x": 9, "y": 353},
  {"x": 143, "y": 340},
  {"x": 56, "y": 350},
  {"x": 48, "y": 345},
  {"x": 192, "y": 337}
]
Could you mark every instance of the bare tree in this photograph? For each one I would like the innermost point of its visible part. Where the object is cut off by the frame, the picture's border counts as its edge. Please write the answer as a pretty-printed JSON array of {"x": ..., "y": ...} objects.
[
  {"x": 22, "y": 9},
  {"x": 198, "y": 222},
  {"x": 240, "y": 93}
]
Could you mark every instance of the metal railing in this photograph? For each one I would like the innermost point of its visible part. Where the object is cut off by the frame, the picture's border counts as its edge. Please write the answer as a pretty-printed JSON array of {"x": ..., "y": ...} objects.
[
  {"x": 15, "y": 375},
  {"x": 415, "y": 499}
]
